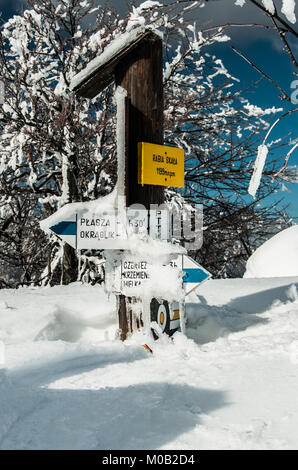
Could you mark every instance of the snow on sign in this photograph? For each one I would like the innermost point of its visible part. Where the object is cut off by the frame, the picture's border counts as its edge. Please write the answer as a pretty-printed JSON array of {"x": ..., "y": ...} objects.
[
  {"x": 160, "y": 165},
  {"x": 67, "y": 230},
  {"x": 100, "y": 72},
  {"x": 194, "y": 273},
  {"x": 131, "y": 275}
]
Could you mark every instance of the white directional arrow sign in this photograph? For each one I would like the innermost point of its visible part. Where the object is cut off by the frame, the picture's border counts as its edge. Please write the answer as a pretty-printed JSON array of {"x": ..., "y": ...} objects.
[
  {"x": 96, "y": 229},
  {"x": 130, "y": 274}
]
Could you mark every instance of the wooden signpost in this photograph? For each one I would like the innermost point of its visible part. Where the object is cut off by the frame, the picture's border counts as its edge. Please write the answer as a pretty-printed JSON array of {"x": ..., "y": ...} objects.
[
  {"x": 137, "y": 67},
  {"x": 134, "y": 62}
]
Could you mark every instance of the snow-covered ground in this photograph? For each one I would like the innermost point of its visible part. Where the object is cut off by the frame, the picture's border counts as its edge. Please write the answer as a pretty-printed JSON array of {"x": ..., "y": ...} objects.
[{"x": 231, "y": 383}]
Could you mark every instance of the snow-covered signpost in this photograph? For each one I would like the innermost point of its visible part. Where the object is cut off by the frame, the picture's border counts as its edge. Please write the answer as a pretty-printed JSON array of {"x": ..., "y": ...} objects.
[
  {"x": 145, "y": 272},
  {"x": 134, "y": 61}
]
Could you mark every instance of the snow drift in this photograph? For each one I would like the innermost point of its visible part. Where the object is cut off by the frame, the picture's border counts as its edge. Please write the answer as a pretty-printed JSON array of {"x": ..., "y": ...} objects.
[{"x": 277, "y": 257}]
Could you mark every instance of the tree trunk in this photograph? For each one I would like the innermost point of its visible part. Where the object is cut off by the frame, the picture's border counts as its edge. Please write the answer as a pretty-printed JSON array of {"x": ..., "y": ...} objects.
[
  {"x": 69, "y": 265},
  {"x": 69, "y": 258}
]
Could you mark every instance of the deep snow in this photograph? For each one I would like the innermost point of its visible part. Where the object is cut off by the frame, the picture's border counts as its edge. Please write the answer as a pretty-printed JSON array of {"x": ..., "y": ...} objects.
[
  {"x": 66, "y": 383},
  {"x": 277, "y": 257}
]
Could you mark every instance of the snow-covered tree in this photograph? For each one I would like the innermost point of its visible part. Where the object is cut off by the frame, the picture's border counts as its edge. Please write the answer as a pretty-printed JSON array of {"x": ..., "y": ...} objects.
[
  {"x": 278, "y": 18},
  {"x": 53, "y": 146},
  {"x": 57, "y": 148},
  {"x": 221, "y": 132}
]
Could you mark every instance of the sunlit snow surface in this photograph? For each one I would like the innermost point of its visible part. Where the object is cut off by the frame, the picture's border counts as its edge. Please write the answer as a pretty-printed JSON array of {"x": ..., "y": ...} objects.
[
  {"x": 278, "y": 256},
  {"x": 232, "y": 383}
]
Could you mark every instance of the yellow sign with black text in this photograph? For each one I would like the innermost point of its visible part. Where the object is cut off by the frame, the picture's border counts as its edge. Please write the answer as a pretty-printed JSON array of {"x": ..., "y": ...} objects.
[{"x": 160, "y": 165}]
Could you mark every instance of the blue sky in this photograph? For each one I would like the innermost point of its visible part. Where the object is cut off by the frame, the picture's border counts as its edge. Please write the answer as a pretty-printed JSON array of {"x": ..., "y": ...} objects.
[
  {"x": 263, "y": 53},
  {"x": 261, "y": 46}
]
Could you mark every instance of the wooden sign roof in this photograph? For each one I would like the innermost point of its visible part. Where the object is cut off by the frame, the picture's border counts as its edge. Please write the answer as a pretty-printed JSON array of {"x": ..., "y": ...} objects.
[{"x": 100, "y": 72}]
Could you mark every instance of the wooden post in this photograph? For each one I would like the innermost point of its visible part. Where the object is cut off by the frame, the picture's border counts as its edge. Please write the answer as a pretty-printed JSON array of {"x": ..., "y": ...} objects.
[{"x": 140, "y": 74}]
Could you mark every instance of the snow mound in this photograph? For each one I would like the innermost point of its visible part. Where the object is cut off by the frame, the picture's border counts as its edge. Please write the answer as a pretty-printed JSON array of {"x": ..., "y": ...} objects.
[
  {"x": 67, "y": 325},
  {"x": 73, "y": 313},
  {"x": 277, "y": 257}
]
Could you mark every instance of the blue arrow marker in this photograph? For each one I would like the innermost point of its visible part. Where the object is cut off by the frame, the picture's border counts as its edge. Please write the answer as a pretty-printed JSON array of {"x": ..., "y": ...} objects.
[
  {"x": 195, "y": 275},
  {"x": 65, "y": 228}
]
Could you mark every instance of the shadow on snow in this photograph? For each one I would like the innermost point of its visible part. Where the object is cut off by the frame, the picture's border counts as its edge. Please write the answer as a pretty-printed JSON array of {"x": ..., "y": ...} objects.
[{"x": 141, "y": 416}]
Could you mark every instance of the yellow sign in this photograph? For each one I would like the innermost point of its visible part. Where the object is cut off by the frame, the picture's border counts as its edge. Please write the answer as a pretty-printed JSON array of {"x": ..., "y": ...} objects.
[{"x": 160, "y": 165}]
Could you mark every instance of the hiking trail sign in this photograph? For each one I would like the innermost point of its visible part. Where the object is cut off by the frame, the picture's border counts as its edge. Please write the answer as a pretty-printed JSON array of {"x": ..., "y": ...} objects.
[
  {"x": 160, "y": 165},
  {"x": 129, "y": 275},
  {"x": 145, "y": 166},
  {"x": 102, "y": 230}
]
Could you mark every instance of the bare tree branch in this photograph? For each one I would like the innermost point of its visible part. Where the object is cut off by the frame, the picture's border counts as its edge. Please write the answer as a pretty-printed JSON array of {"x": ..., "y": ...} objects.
[{"x": 284, "y": 95}]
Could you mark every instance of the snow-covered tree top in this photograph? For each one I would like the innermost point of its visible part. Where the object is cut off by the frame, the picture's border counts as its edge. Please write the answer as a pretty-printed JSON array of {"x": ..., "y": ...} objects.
[{"x": 288, "y": 8}]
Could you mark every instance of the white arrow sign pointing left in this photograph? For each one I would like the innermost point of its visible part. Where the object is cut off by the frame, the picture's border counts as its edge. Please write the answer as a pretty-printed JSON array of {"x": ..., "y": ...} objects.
[{"x": 85, "y": 226}]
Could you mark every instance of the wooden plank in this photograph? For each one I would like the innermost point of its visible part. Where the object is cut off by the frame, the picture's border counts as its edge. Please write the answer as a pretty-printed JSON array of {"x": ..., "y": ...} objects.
[{"x": 105, "y": 74}]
